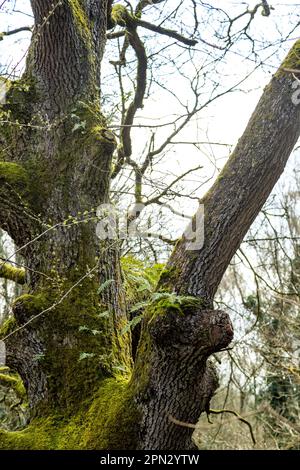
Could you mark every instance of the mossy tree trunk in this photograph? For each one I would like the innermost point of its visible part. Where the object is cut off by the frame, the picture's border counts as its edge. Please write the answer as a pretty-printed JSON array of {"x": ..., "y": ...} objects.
[{"x": 57, "y": 170}]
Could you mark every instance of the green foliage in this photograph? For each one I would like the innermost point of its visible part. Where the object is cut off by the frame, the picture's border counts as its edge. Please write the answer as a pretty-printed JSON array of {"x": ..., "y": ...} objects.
[
  {"x": 163, "y": 302},
  {"x": 132, "y": 323},
  {"x": 105, "y": 284},
  {"x": 89, "y": 330},
  {"x": 140, "y": 284},
  {"x": 84, "y": 355},
  {"x": 38, "y": 357},
  {"x": 140, "y": 279}
]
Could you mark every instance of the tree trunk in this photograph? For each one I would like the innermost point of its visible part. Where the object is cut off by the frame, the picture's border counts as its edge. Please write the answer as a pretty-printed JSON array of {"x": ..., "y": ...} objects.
[
  {"x": 74, "y": 361},
  {"x": 56, "y": 173}
]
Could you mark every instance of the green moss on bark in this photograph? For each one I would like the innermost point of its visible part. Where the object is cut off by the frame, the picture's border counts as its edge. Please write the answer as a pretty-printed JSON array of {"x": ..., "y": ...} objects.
[
  {"x": 292, "y": 61},
  {"x": 7, "y": 327},
  {"x": 168, "y": 276},
  {"x": 80, "y": 348},
  {"x": 120, "y": 15},
  {"x": 12, "y": 380},
  {"x": 109, "y": 421},
  {"x": 7, "y": 271},
  {"x": 14, "y": 175},
  {"x": 20, "y": 97}
]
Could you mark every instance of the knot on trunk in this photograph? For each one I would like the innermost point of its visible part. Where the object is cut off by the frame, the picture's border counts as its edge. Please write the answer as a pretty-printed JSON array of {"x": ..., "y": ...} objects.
[
  {"x": 207, "y": 331},
  {"x": 180, "y": 379}
]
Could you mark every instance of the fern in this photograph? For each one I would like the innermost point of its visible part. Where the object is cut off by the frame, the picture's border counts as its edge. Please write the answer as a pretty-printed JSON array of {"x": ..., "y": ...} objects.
[
  {"x": 140, "y": 279},
  {"x": 105, "y": 285},
  {"x": 104, "y": 314},
  {"x": 140, "y": 306},
  {"x": 140, "y": 283},
  {"x": 132, "y": 323},
  {"x": 85, "y": 355},
  {"x": 162, "y": 300}
]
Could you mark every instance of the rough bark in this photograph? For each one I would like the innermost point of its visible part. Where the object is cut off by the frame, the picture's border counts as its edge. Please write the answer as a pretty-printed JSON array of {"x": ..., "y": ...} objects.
[{"x": 177, "y": 381}]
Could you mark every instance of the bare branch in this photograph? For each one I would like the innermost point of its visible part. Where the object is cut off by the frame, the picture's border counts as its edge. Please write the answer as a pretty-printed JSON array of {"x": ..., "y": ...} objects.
[
  {"x": 167, "y": 189},
  {"x": 166, "y": 32},
  {"x": 125, "y": 150},
  {"x": 240, "y": 418},
  {"x": 116, "y": 35},
  {"x": 14, "y": 31}
]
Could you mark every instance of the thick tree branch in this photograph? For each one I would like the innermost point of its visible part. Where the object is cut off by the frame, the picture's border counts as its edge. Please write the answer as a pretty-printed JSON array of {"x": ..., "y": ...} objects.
[
  {"x": 125, "y": 149},
  {"x": 266, "y": 8},
  {"x": 116, "y": 35},
  {"x": 11, "y": 273},
  {"x": 67, "y": 29},
  {"x": 242, "y": 188},
  {"x": 176, "y": 367},
  {"x": 122, "y": 17}
]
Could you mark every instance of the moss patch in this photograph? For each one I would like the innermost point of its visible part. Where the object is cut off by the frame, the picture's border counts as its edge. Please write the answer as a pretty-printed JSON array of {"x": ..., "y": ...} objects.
[
  {"x": 14, "y": 175},
  {"x": 12, "y": 380},
  {"x": 78, "y": 343},
  {"x": 7, "y": 327},
  {"x": 120, "y": 15},
  {"x": 292, "y": 61},
  {"x": 7, "y": 271},
  {"x": 109, "y": 421}
]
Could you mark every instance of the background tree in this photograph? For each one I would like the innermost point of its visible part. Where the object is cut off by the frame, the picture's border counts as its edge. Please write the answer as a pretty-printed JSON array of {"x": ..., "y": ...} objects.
[{"x": 260, "y": 376}]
